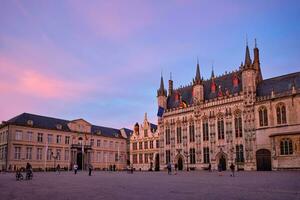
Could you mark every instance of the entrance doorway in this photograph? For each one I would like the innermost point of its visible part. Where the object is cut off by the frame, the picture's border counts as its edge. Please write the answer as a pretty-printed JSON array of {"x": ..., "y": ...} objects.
[
  {"x": 156, "y": 162},
  {"x": 79, "y": 160},
  {"x": 263, "y": 160},
  {"x": 180, "y": 163},
  {"x": 222, "y": 161}
]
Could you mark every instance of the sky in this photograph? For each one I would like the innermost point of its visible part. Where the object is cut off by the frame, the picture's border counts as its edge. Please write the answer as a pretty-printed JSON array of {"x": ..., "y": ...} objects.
[{"x": 102, "y": 60}]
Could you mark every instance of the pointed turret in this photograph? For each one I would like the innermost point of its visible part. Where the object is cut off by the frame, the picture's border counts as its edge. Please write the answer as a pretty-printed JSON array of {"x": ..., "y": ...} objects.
[
  {"x": 248, "y": 61},
  {"x": 197, "y": 77},
  {"x": 198, "y": 88},
  {"x": 161, "y": 91},
  {"x": 212, "y": 73},
  {"x": 256, "y": 57}
]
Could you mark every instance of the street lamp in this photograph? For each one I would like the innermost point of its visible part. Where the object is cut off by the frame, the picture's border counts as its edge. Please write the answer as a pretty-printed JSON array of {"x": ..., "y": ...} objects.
[{"x": 54, "y": 159}]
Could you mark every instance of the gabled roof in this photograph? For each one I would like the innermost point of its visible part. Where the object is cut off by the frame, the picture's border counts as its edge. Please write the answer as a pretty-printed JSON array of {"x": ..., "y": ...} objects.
[
  {"x": 44, "y": 122},
  {"x": 225, "y": 81},
  {"x": 279, "y": 84}
]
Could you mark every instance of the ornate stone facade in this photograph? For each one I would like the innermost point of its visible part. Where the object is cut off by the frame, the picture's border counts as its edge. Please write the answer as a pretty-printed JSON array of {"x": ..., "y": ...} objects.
[{"x": 220, "y": 121}]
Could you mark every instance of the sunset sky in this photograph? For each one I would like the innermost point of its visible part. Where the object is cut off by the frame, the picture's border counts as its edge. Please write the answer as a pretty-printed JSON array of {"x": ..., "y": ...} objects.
[{"x": 102, "y": 60}]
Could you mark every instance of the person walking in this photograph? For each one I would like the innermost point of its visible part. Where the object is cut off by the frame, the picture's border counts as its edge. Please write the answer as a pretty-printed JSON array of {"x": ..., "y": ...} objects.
[
  {"x": 175, "y": 167},
  {"x": 220, "y": 169},
  {"x": 75, "y": 168},
  {"x": 90, "y": 169},
  {"x": 232, "y": 168},
  {"x": 209, "y": 167},
  {"x": 58, "y": 169},
  {"x": 169, "y": 167}
]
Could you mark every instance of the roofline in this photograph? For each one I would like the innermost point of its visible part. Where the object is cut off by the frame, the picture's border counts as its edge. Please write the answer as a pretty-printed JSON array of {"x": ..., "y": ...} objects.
[{"x": 293, "y": 73}]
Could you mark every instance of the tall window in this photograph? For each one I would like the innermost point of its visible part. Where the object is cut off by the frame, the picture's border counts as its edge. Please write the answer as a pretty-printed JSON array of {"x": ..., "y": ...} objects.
[
  {"x": 39, "y": 154},
  {"x": 58, "y": 139},
  {"x": 40, "y": 137},
  {"x": 192, "y": 132},
  {"x": 98, "y": 143},
  {"x": 50, "y": 138},
  {"x": 179, "y": 136},
  {"x": 146, "y": 158},
  {"x": 29, "y": 153},
  {"x": 146, "y": 145},
  {"x": 239, "y": 153},
  {"x": 151, "y": 144},
  {"x": 92, "y": 142},
  {"x": 134, "y": 158},
  {"x": 140, "y": 145},
  {"x": 168, "y": 156},
  {"x": 58, "y": 154},
  {"x": 263, "y": 116},
  {"x": 140, "y": 158},
  {"x": 66, "y": 155},
  {"x": 238, "y": 126},
  {"x": 30, "y": 136},
  {"x": 49, "y": 151},
  {"x": 17, "y": 153},
  {"x": 18, "y": 135},
  {"x": 192, "y": 156},
  {"x": 134, "y": 146},
  {"x": 286, "y": 147},
  {"x": 145, "y": 133},
  {"x": 206, "y": 155},
  {"x": 220, "y": 128},
  {"x": 281, "y": 114},
  {"x": 205, "y": 130},
  {"x": 168, "y": 136},
  {"x": 67, "y": 140},
  {"x": 157, "y": 143}
]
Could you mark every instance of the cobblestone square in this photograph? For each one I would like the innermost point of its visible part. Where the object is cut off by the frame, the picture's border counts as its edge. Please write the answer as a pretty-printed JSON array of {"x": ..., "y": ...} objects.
[{"x": 152, "y": 185}]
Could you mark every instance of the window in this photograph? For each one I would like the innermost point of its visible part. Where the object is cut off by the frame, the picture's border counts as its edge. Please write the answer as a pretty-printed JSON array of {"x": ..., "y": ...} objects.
[
  {"x": 168, "y": 136},
  {"x": 239, "y": 153},
  {"x": 179, "y": 136},
  {"x": 39, "y": 154},
  {"x": 50, "y": 138},
  {"x": 17, "y": 153},
  {"x": 67, "y": 140},
  {"x": 146, "y": 158},
  {"x": 281, "y": 114},
  {"x": 146, "y": 145},
  {"x": 58, "y": 154},
  {"x": 134, "y": 159},
  {"x": 192, "y": 132},
  {"x": 40, "y": 137},
  {"x": 92, "y": 142},
  {"x": 157, "y": 143},
  {"x": 151, "y": 144},
  {"x": 58, "y": 139},
  {"x": 30, "y": 136},
  {"x": 286, "y": 147},
  {"x": 145, "y": 133},
  {"x": 111, "y": 144},
  {"x": 134, "y": 146},
  {"x": 205, "y": 130},
  {"x": 29, "y": 153},
  {"x": 206, "y": 154},
  {"x": 140, "y": 158},
  {"x": 18, "y": 135},
  {"x": 220, "y": 128},
  {"x": 168, "y": 156},
  {"x": 192, "y": 156},
  {"x": 98, "y": 143},
  {"x": 263, "y": 116},
  {"x": 49, "y": 151},
  {"x": 140, "y": 145},
  {"x": 238, "y": 126},
  {"x": 66, "y": 155}
]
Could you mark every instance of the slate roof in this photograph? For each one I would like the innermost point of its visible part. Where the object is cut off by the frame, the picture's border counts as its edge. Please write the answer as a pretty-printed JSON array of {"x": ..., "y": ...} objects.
[
  {"x": 225, "y": 81},
  {"x": 280, "y": 84},
  {"x": 51, "y": 123}
]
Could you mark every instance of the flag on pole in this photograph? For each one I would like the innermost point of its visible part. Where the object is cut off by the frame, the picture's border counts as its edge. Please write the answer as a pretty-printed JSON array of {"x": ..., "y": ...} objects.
[{"x": 160, "y": 111}]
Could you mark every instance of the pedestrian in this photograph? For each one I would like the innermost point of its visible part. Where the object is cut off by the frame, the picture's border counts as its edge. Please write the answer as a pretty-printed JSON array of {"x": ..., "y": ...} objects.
[
  {"x": 232, "y": 167},
  {"x": 175, "y": 167},
  {"x": 75, "y": 168},
  {"x": 169, "y": 167},
  {"x": 90, "y": 169},
  {"x": 209, "y": 167},
  {"x": 58, "y": 169},
  {"x": 220, "y": 169}
]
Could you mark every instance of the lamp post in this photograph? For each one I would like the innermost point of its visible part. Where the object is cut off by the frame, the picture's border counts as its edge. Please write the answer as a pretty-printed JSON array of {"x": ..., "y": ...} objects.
[{"x": 54, "y": 159}]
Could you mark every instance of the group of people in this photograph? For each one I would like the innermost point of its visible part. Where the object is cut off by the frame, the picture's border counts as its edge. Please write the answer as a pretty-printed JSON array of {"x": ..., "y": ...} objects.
[
  {"x": 28, "y": 171},
  {"x": 90, "y": 168}
]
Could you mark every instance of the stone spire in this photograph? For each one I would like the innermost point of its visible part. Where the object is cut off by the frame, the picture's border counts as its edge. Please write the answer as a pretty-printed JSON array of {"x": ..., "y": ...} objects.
[
  {"x": 170, "y": 92},
  {"x": 161, "y": 91},
  {"x": 197, "y": 77},
  {"x": 256, "y": 54},
  {"x": 212, "y": 72},
  {"x": 248, "y": 61}
]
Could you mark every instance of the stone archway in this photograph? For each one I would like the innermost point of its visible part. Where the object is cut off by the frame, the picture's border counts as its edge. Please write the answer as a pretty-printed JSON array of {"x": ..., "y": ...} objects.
[
  {"x": 156, "y": 168},
  {"x": 263, "y": 160},
  {"x": 222, "y": 160},
  {"x": 180, "y": 163}
]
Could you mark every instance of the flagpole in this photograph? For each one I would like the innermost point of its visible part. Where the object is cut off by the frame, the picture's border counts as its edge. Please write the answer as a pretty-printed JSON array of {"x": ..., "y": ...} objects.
[{"x": 46, "y": 150}]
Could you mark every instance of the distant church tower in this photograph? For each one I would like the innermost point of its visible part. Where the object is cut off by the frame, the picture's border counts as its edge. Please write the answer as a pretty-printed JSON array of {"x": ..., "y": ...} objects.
[
  {"x": 162, "y": 94},
  {"x": 198, "y": 88}
]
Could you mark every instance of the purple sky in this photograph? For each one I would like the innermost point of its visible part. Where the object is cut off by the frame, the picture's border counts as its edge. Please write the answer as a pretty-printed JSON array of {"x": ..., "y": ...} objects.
[{"x": 101, "y": 60}]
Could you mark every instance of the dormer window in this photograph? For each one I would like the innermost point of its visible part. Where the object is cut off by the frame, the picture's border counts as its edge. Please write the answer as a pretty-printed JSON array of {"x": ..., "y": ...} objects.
[
  {"x": 30, "y": 122},
  {"x": 235, "y": 80},
  {"x": 213, "y": 87},
  {"x": 59, "y": 126},
  {"x": 99, "y": 132},
  {"x": 116, "y": 135}
]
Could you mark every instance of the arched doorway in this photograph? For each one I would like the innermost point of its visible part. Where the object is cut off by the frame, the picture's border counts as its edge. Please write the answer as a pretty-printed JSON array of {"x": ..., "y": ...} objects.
[
  {"x": 156, "y": 162},
  {"x": 222, "y": 161},
  {"x": 79, "y": 160},
  {"x": 263, "y": 160},
  {"x": 180, "y": 163}
]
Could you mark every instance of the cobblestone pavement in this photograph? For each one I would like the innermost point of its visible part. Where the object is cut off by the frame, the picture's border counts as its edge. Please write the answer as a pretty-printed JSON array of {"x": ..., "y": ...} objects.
[{"x": 152, "y": 185}]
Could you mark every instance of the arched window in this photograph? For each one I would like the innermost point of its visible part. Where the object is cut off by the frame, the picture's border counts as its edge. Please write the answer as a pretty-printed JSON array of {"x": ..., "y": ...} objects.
[
  {"x": 281, "y": 113},
  {"x": 263, "y": 116},
  {"x": 286, "y": 147},
  {"x": 205, "y": 130},
  {"x": 192, "y": 132},
  {"x": 238, "y": 125},
  {"x": 168, "y": 135},
  {"x": 220, "y": 128},
  {"x": 239, "y": 153},
  {"x": 179, "y": 135}
]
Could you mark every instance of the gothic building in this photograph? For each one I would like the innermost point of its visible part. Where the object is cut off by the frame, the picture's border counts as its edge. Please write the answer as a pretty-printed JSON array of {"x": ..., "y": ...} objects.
[{"x": 237, "y": 117}]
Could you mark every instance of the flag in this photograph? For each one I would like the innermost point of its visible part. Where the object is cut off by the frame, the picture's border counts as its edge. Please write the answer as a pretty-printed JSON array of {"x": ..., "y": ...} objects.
[{"x": 160, "y": 111}]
